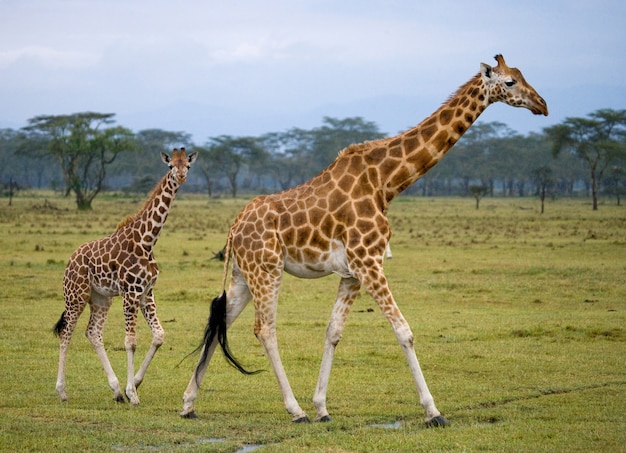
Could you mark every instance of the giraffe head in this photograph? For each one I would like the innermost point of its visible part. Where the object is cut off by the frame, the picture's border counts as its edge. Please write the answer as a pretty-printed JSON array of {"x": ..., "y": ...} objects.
[
  {"x": 179, "y": 164},
  {"x": 509, "y": 86}
]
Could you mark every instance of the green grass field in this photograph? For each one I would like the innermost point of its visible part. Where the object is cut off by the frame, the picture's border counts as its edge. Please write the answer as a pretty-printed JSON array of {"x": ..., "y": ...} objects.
[{"x": 519, "y": 321}]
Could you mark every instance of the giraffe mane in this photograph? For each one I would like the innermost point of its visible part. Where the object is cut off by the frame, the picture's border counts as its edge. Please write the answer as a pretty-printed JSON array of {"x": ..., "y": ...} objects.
[
  {"x": 133, "y": 217},
  {"x": 462, "y": 89},
  {"x": 125, "y": 221},
  {"x": 358, "y": 148}
]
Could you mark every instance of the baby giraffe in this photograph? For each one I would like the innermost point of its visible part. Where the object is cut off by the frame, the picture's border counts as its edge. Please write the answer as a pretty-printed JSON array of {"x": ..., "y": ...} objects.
[{"x": 121, "y": 264}]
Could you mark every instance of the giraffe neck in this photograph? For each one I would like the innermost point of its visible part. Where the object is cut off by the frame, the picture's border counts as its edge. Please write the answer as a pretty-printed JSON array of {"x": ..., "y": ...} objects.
[
  {"x": 412, "y": 153},
  {"x": 149, "y": 221}
]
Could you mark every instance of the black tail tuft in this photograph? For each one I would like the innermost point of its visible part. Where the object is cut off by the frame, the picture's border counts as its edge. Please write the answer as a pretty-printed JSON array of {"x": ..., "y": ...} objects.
[
  {"x": 216, "y": 325},
  {"x": 60, "y": 325}
]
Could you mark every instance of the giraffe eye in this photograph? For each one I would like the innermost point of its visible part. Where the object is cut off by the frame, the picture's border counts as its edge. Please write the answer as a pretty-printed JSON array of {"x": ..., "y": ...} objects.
[{"x": 510, "y": 83}]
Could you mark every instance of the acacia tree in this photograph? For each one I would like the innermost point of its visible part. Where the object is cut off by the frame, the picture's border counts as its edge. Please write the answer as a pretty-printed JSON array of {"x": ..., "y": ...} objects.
[
  {"x": 334, "y": 135},
  {"x": 207, "y": 166},
  {"x": 290, "y": 156},
  {"x": 228, "y": 154},
  {"x": 544, "y": 181},
  {"x": 143, "y": 167},
  {"x": 82, "y": 145},
  {"x": 8, "y": 147},
  {"x": 615, "y": 182},
  {"x": 597, "y": 140},
  {"x": 478, "y": 192},
  {"x": 476, "y": 155},
  {"x": 151, "y": 143}
]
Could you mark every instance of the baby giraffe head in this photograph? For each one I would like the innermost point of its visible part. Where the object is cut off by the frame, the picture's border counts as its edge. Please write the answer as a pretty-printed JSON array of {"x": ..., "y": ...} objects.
[{"x": 179, "y": 164}]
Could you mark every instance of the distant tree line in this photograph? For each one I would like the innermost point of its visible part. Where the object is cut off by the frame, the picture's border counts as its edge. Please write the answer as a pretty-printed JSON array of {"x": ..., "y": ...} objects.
[{"x": 83, "y": 154}]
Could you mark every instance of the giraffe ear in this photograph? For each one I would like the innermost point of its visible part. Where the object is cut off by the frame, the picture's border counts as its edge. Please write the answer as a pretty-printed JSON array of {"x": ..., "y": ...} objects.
[
  {"x": 165, "y": 158},
  {"x": 486, "y": 71},
  {"x": 192, "y": 158}
]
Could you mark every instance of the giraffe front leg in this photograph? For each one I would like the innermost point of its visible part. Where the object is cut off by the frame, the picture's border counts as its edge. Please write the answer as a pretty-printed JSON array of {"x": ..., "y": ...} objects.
[
  {"x": 405, "y": 338},
  {"x": 158, "y": 336},
  {"x": 379, "y": 290},
  {"x": 131, "y": 390},
  {"x": 130, "y": 344},
  {"x": 348, "y": 291}
]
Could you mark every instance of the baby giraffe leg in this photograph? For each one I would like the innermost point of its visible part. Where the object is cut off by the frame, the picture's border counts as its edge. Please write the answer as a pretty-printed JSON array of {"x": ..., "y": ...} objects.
[
  {"x": 158, "y": 336},
  {"x": 64, "y": 329},
  {"x": 130, "y": 344},
  {"x": 99, "y": 309}
]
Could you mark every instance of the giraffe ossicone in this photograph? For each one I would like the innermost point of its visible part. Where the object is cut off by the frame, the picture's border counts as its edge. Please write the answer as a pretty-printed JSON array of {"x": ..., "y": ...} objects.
[
  {"x": 336, "y": 223},
  {"x": 121, "y": 264}
]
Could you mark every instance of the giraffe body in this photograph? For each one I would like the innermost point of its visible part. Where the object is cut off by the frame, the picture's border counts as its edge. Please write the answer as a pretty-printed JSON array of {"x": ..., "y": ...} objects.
[
  {"x": 121, "y": 264},
  {"x": 336, "y": 223}
]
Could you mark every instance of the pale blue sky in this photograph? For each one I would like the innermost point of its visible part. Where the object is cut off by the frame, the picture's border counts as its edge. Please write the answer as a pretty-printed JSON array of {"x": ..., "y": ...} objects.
[{"x": 248, "y": 67}]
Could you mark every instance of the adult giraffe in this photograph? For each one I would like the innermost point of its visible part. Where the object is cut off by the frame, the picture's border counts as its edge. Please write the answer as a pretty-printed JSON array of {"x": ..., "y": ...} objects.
[
  {"x": 121, "y": 264},
  {"x": 336, "y": 223}
]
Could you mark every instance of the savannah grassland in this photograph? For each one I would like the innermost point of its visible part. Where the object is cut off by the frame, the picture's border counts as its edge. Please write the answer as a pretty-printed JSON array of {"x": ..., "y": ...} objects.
[{"x": 519, "y": 321}]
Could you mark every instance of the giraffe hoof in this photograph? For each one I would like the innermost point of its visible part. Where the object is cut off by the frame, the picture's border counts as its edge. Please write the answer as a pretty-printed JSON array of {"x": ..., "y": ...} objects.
[
  {"x": 119, "y": 398},
  {"x": 189, "y": 415},
  {"x": 133, "y": 399},
  {"x": 325, "y": 418},
  {"x": 304, "y": 419},
  {"x": 437, "y": 422}
]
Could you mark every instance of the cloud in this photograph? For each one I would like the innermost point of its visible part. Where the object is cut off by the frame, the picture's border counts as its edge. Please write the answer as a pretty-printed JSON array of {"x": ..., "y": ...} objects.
[
  {"x": 260, "y": 58},
  {"x": 48, "y": 57},
  {"x": 253, "y": 50}
]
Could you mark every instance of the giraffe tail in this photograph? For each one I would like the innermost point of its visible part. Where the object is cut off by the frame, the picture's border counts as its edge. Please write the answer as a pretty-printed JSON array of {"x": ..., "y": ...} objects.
[
  {"x": 60, "y": 325},
  {"x": 227, "y": 249},
  {"x": 216, "y": 326}
]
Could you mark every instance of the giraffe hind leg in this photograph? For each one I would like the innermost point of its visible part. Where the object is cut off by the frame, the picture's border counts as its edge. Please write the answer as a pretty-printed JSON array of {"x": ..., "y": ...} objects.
[
  {"x": 59, "y": 330},
  {"x": 267, "y": 337},
  {"x": 217, "y": 321},
  {"x": 64, "y": 328},
  {"x": 236, "y": 300},
  {"x": 99, "y": 307},
  {"x": 266, "y": 290}
]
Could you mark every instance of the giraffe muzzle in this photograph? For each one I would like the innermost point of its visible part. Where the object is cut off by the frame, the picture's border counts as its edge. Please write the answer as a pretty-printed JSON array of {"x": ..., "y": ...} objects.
[{"x": 540, "y": 107}]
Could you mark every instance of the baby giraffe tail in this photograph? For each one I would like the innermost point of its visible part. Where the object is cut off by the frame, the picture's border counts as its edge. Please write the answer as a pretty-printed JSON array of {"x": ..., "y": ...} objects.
[
  {"x": 216, "y": 325},
  {"x": 60, "y": 325}
]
